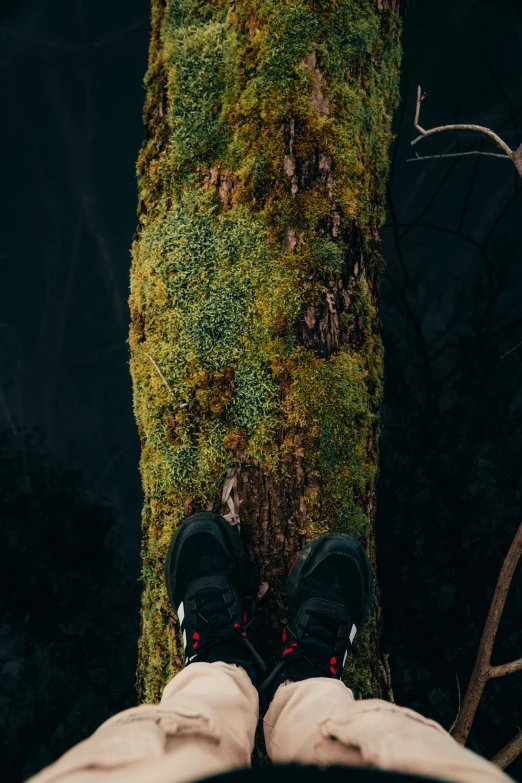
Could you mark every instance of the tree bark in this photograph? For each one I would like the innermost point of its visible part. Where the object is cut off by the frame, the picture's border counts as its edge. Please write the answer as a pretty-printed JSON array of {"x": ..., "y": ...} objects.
[{"x": 255, "y": 334}]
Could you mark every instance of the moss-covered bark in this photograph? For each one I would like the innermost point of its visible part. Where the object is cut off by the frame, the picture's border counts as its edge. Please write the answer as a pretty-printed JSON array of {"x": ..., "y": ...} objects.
[{"x": 255, "y": 338}]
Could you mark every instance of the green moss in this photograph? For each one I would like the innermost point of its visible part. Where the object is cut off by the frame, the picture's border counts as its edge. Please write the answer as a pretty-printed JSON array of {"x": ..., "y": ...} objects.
[
  {"x": 196, "y": 85},
  {"x": 255, "y": 401},
  {"x": 326, "y": 255},
  {"x": 180, "y": 13},
  {"x": 216, "y": 362},
  {"x": 361, "y": 672},
  {"x": 217, "y": 292},
  {"x": 329, "y": 401}
]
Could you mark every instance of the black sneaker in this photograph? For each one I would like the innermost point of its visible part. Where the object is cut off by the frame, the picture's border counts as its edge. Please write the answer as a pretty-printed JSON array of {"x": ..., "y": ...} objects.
[
  {"x": 207, "y": 580},
  {"x": 329, "y": 592}
]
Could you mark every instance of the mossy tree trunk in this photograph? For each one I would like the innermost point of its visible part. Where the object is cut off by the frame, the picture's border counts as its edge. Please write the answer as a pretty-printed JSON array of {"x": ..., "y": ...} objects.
[{"x": 255, "y": 343}]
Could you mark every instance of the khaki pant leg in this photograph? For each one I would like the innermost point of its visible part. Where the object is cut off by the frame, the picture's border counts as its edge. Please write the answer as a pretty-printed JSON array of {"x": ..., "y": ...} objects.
[
  {"x": 318, "y": 721},
  {"x": 204, "y": 724}
]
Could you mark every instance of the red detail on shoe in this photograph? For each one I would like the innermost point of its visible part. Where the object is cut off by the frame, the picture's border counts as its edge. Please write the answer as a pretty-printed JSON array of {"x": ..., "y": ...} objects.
[
  {"x": 333, "y": 660},
  {"x": 284, "y": 635},
  {"x": 245, "y": 616},
  {"x": 195, "y": 644},
  {"x": 293, "y": 563},
  {"x": 195, "y": 635},
  {"x": 236, "y": 625},
  {"x": 290, "y": 649},
  {"x": 332, "y": 669}
]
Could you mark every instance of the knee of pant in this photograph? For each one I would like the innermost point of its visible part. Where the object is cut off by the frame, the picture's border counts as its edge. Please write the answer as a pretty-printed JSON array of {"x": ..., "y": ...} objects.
[
  {"x": 380, "y": 734},
  {"x": 179, "y": 721},
  {"x": 139, "y": 735}
]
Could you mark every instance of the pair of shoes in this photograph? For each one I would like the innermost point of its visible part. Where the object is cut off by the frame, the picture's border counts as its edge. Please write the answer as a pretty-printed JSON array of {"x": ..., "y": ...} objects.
[{"x": 329, "y": 593}]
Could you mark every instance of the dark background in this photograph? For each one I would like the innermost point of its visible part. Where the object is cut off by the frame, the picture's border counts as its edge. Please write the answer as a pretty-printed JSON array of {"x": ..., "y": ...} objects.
[{"x": 449, "y": 499}]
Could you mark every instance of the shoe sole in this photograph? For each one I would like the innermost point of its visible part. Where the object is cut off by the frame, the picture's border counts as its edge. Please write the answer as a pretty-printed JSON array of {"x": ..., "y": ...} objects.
[
  {"x": 306, "y": 554},
  {"x": 231, "y": 538}
]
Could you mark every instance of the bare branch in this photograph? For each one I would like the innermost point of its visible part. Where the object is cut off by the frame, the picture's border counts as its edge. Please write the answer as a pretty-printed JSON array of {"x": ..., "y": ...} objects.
[
  {"x": 515, "y": 156},
  {"x": 505, "y": 668},
  {"x": 466, "y": 127},
  {"x": 483, "y": 670},
  {"x": 459, "y": 126},
  {"x": 509, "y": 753}
]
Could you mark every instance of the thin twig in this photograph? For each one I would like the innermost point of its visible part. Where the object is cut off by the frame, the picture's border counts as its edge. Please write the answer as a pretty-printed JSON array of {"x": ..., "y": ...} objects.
[
  {"x": 458, "y": 709},
  {"x": 515, "y": 156},
  {"x": 459, "y": 126},
  {"x": 483, "y": 670},
  {"x": 413, "y": 224},
  {"x": 511, "y": 350},
  {"x": 457, "y": 155},
  {"x": 160, "y": 374}
]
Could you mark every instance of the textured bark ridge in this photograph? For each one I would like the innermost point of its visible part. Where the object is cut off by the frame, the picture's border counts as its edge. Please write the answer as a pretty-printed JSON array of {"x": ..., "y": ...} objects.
[{"x": 255, "y": 350}]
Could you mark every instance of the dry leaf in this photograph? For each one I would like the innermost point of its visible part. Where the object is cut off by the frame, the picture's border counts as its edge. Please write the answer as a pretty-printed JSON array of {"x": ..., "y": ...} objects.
[
  {"x": 263, "y": 589},
  {"x": 229, "y": 485}
]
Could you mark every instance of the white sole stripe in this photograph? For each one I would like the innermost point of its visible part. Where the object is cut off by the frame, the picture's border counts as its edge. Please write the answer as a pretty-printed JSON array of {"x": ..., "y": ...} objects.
[{"x": 181, "y": 617}]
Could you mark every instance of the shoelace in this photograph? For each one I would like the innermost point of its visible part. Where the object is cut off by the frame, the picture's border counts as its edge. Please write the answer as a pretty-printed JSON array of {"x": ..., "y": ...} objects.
[
  {"x": 318, "y": 642},
  {"x": 212, "y": 619},
  {"x": 213, "y": 623},
  {"x": 325, "y": 628}
]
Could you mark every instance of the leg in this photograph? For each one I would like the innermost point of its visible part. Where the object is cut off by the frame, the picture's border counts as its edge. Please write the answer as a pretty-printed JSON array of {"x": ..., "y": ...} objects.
[
  {"x": 313, "y": 717},
  {"x": 206, "y": 720},
  {"x": 205, "y": 724},
  {"x": 317, "y": 721}
]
